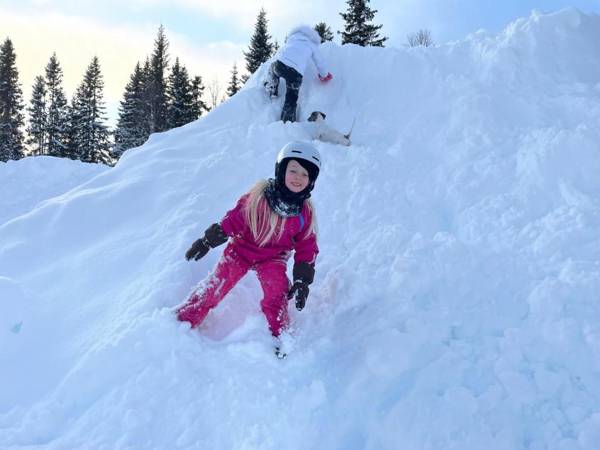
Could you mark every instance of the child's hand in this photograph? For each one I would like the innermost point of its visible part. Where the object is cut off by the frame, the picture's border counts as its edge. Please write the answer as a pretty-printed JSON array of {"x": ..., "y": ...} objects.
[
  {"x": 300, "y": 291},
  {"x": 304, "y": 273},
  {"x": 197, "y": 250},
  {"x": 326, "y": 78},
  {"x": 213, "y": 237}
]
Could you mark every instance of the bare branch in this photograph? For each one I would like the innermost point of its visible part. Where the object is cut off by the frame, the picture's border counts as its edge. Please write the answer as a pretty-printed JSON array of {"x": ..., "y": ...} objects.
[
  {"x": 420, "y": 38},
  {"x": 214, "y": 93}
]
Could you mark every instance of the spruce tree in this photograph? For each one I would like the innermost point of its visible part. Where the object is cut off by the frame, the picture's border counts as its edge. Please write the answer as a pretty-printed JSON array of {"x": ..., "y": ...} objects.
[
  {"x": 147, "y": 94},
  {"x": 179, "y": 94},
  {"x": 38, "y": 118},
  {"x": 261, "y": 48},
  {"x": 234, "y": 82},
  {"x": 88, "y": 118},
  {"x": 57, "y": 118},
  {"x": 11, "y": 105},
  {"x": 357, "y": 29},
  {"x": 72, "y": 136},
  {"x": 157, "y": 91},
  {"x": 324, "y": 31},
  {"x": 132, "y": 126},
  {"x": 198, "y": 105}
]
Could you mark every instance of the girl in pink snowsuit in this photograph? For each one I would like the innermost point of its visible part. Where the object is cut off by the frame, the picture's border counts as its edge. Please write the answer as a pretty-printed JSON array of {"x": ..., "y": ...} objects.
[{"x": 267, "y": 223}]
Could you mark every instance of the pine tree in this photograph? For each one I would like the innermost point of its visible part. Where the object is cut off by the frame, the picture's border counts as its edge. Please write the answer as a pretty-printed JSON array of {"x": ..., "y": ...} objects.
[
  {"x": 179, "y": 94},
  {"x": 57, "y": 123},
  {"x": 147, "y": 93},
  {"x": 38, "y": 118},
  {"x": 72, "y": 136},
  {"x": 90, "y": 136},
  {"x": 11, "y": 105},
  {"x": 324, "y": 31},
  {"x": 198, "y": 105},
  {"x": 260, "y": 49},
  {"x": 157, "y": 90},
  {"x": 234, "y": 82},
  {"x": 132, "y": 126},
  {"x": 357, "y": 30}
]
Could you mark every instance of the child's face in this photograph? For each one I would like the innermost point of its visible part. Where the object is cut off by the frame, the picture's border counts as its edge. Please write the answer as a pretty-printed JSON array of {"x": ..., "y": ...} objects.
[{"x": 296, "y": 177}]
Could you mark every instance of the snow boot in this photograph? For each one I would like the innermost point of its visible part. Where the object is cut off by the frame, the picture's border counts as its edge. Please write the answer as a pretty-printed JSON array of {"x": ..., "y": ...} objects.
[{"x": 271, "y": 84}]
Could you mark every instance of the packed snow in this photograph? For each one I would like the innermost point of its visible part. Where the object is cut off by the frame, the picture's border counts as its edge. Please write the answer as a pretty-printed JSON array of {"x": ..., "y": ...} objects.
[{"x": 456, "y": 300}]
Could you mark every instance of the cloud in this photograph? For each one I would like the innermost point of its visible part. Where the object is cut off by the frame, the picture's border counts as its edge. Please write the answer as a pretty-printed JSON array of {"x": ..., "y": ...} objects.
[
  {"x": 77, "y": 39},
  {"x": 282, "y": 15},
  {"x": 244, "y": 12},
  {"x": 213, "y": 60},
  {"x": 398, "y": 17}
]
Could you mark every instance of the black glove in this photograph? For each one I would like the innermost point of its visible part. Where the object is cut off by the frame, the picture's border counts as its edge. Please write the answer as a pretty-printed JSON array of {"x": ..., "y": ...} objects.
[
  {"x": 198, "y": 249},
  {"x": 300, "y": 291},
  {"x": 213, "y": 237},
  {"x": 304, "y": 274}
]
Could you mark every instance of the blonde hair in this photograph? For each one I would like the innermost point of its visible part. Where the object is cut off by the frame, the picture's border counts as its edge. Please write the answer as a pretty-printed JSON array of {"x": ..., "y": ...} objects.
[{"x": 265, "y": 223}]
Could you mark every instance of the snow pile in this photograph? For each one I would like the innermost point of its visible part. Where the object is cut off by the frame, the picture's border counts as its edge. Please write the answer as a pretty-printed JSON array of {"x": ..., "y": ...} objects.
[
  {"x": 456, "y": 297},
  {"x": 30, "y": 181}
]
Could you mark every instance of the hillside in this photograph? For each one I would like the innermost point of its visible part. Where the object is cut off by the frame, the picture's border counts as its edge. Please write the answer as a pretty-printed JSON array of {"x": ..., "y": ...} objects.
[{"x": 455, "y": 304}]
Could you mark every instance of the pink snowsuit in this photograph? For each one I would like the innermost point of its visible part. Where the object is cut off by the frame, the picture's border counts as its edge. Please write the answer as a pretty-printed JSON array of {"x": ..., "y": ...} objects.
[{"x": 269, "y": 261}]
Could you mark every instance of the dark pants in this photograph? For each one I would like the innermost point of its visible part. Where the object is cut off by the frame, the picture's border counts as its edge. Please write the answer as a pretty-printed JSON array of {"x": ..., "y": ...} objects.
[{"x": 293, "y": 80}]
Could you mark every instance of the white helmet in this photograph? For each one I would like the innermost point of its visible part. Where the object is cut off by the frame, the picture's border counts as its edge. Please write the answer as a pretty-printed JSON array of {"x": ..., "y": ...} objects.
[
  {"x": 300, "y": 150},
  {"x": 304, "y": 153}
]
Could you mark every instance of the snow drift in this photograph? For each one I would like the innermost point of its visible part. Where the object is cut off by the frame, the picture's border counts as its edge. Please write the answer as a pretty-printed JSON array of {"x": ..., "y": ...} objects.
[{"x": 456, "y": 299}]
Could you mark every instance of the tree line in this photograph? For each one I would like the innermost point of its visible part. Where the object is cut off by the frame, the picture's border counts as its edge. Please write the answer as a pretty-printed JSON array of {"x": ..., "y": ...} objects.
[{"x": 156, "y": 98}]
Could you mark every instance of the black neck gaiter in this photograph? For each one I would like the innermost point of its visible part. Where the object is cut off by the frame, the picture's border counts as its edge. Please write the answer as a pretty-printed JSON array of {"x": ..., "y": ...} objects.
[{"x": 283, "y": 201}]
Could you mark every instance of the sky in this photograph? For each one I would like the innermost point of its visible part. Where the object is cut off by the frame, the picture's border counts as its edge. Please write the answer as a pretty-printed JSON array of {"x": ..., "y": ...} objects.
[{"x": 209, "y": 36}]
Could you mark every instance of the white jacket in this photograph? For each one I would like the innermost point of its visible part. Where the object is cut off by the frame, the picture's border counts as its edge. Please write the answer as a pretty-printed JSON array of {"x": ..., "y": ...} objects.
[{"x": 301, "y": 44}]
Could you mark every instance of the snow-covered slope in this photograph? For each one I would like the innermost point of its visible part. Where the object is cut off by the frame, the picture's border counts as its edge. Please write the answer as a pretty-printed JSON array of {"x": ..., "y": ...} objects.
[
  {"x": 456, "y": 298},
  {"x": 28, "y": 182}
]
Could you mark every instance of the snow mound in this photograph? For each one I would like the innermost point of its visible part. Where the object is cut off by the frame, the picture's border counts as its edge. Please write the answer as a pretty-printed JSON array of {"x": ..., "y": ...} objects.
[
  {"x": 30, "y": 181},
  {"x": 457, "y": 283}
]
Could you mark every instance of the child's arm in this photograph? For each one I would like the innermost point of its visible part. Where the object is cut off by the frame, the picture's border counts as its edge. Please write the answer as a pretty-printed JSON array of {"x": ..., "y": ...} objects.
[
  {"x": 213, "y": 237},
  {"x": 320, "y": 64},
  {"x": 306, "y": 250},
  {"x": 233, "y": 223}
]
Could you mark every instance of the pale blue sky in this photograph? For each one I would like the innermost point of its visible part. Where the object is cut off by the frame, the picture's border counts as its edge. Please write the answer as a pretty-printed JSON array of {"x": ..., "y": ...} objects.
[{"x": 210, "y": 35}]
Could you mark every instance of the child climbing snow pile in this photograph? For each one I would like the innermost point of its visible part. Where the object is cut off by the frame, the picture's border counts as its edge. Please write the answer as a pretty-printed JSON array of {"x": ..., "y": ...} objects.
[
  {"x": 267, "y": 223},
  {"x": 301, "y": 45}
]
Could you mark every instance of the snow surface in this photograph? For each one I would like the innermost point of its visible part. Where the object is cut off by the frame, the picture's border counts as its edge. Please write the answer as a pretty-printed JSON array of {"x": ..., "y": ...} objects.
[
  {"x": 30, "y": 181},
  {"x": 456, "y": 303}
]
